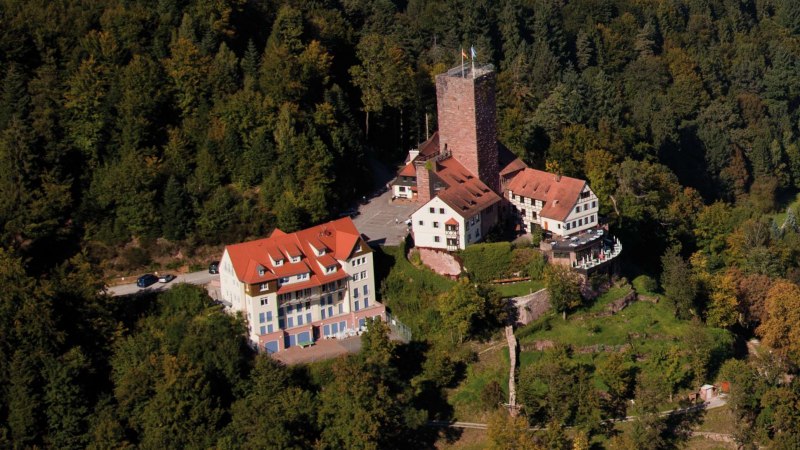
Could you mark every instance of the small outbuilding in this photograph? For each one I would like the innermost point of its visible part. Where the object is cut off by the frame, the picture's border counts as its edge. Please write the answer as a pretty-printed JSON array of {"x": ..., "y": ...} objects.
[{"x": 707, "y": 392}]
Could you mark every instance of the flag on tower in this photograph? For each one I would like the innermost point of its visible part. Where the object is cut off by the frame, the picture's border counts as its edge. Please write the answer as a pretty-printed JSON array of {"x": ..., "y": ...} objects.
[
  {"x": 474, "y": 54},
  {"x": 463, "y": 53}
]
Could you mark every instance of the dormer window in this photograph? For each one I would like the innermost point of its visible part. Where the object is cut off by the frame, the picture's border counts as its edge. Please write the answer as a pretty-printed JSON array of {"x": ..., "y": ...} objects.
[
  {"x": 284, "y": 280},
  {"x": 295, "y": 259},
  {"x": 279, "y": 262},
  {"x": 261, "y": 271},
  {"x": 330, "y": 269},
  {"x": 320, "y": 252}
]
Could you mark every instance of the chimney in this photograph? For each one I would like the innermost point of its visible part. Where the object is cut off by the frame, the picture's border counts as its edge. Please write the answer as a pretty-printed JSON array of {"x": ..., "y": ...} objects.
[
  {"x": 558, "y": 177},
  {"x": 424, "y": 188}
]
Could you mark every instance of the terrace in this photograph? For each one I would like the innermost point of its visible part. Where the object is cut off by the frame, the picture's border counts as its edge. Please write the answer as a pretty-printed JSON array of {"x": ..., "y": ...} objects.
[{"x": 585, "y": 251}]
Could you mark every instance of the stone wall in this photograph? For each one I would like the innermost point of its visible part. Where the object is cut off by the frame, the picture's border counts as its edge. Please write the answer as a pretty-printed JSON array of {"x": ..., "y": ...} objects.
[
  {"x": 440, "y": 262},
  {"x": 467, "y": 123}
]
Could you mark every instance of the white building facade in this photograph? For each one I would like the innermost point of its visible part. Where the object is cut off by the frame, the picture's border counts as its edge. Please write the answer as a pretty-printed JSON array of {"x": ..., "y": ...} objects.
[{"x": 294, "y": 289}]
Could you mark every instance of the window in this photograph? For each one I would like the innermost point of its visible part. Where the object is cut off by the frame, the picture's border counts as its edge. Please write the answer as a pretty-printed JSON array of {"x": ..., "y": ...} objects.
[
  {"x": 263, "y": 330},
  {"x": 295, "y": 259},
  {"x": 355, "y": 293},
  {"x": 421, "y": 223},
  {"x": 341, "y": 308},
  {"x": 284, "y": 279},
  {"x": 308, "y": 306},
  {"x": 269, "y": 328},
  {"x": 436, "y": 239},
  {"x": 431, "y": 210},
  {"x": 261, "y": 318},
  {"x": 264, "y": 301},
  {"x": 594, "y": 203},
  {"x": 435, "y": 224},
  {"x": 566, "y": 226},
  {"x": 322, "y": 312},
  {"x": 308, "y": 317},
  {"x": 269, "y": 316},
  {"x": 363, "y": 274},
  {"x": 264, "y": 287},
  {"x": 281, "y": 324},
  {"x": 288, "y": 309},
  {"x": 559, "y": 226},
  {"x": 366, "y": 302},
  {"x": 522, "y": 212},
  {"x": 441, "y": 210},
  {"x": 302, "y": 276},
  {"x": 299, "y": 320},
  {"x": 366, "y": 290},
  {"x": 290, "y": 322},
  {"x": 261, "y": 271},
  {"x": 402, "y": 189},
  {"x": 578, "y": 208},
  {"x": 355, "y": 276},
  {"x": 280, "y": 312},
  {"x": 355, "y": 305}
]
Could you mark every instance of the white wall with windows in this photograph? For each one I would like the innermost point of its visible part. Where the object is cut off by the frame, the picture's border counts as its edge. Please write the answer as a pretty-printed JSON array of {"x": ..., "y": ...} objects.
[{"x": 430, "y": 231}]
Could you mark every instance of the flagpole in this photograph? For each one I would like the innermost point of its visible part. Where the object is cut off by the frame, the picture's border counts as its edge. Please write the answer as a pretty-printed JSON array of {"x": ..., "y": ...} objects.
[
  {"x": 462, "y": 62},
  {"x": 472, "y": 55}
]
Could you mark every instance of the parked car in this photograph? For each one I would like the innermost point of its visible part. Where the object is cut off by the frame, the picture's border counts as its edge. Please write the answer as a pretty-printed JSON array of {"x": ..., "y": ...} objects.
[
  {"x": 146, "y": 280},
  {"x": 213, "y": 267},
  {"x": 166, "y": 278}
]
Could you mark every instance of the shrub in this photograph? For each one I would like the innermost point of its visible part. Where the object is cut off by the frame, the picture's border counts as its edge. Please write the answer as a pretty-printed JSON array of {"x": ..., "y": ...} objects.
[
  {"x": 492, "y": 395},
  {"x": 135, "y": 257},
  {"x": 486, "y": 262},
  {"x": 643, "y": 283},
  {"x": 536, "y": 266}
]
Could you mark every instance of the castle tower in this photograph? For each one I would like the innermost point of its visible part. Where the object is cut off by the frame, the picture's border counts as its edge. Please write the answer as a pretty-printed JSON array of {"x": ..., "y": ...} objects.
[{"x": 467, "y": 120}]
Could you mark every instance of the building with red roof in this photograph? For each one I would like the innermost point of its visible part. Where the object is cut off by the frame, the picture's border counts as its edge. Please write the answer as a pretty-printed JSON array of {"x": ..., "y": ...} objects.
[
  {"x": 296, "y": 288},
  {"x": 465, "y": 180}
]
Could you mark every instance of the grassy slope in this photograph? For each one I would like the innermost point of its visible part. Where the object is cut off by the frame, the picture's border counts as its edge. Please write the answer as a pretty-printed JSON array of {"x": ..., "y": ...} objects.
[{"x": 519, "y": 289}]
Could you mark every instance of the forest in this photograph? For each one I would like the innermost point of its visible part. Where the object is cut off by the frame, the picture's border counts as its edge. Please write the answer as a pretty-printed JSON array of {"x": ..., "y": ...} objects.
[{"x": 136, "y": 123}]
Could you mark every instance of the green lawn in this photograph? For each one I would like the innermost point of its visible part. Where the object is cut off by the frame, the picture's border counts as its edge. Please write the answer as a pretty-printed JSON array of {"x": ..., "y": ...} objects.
[{"x": 519, "y": 289}]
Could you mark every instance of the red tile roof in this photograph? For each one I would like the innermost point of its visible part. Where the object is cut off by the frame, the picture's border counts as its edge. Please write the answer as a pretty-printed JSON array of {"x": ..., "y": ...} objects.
[
  {"x": 430, "y": 146},
  {"x": 451, "y": 221},
  {"x": 339, "y": 237},
  {"x": 558, "y": 196},
  {"x": 465, "y": 193},
  {"x": 408, "y": 171}
]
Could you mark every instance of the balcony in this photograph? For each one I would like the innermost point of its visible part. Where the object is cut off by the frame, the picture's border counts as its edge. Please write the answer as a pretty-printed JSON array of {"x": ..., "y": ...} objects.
[{"x": 315, "y": 296}]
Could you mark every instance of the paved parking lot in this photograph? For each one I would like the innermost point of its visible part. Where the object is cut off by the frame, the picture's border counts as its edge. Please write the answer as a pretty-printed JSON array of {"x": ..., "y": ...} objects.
[{"x": 384, "y": 221}]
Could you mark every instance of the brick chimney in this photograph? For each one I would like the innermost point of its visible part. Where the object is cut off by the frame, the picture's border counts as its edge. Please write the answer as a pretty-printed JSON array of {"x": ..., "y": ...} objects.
[{"x": 424, "y": 188}]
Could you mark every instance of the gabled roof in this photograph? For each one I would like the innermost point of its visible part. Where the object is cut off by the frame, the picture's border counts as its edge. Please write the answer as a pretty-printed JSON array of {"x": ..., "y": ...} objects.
[
  {"x": 559, "y": 196},
  {"x": 464, "y": 192},
  {"x": 508, "y": 161},
  {"x": 408, "y": 170},
  {"x": 340, "y": 236},
  {"x": 451, "y": 221}
]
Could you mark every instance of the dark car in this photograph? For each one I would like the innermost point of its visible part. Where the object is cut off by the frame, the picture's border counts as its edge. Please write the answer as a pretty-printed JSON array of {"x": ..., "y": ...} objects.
[
  {"x": 166, "y": 278},
  {"x": 146, "y": 280},
  {"x": 213, "y": 267}
]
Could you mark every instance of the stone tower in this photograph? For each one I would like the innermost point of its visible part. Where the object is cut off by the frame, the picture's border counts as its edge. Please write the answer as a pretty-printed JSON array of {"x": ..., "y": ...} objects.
[{"x": 467, "y": 120}]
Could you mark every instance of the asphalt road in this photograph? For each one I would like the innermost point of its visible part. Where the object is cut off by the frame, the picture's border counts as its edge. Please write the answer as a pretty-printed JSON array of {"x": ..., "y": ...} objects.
[{"x": 199, "y": 278}]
